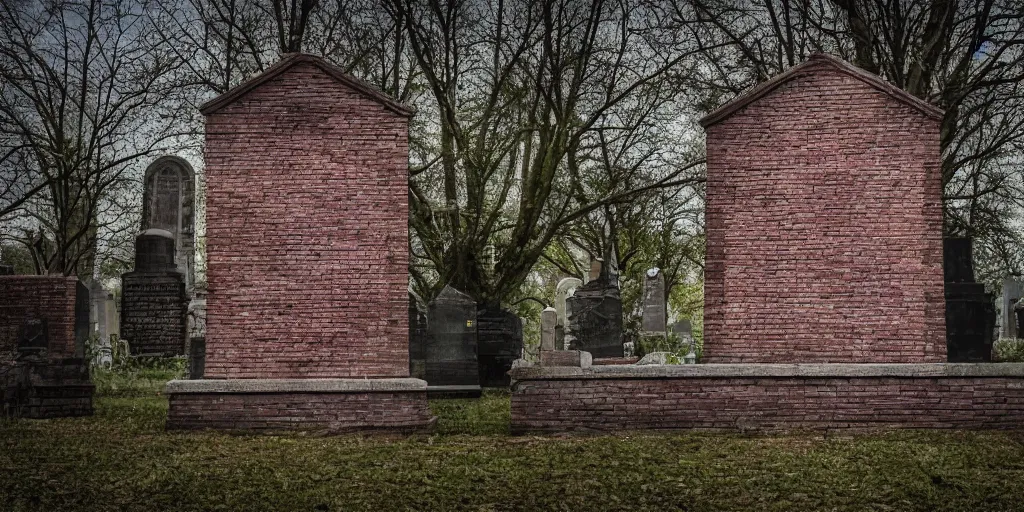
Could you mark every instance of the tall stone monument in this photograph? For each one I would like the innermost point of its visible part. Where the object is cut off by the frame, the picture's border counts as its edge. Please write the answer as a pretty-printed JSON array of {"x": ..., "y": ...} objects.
[
  {"x": 153, "y": 302},
  {"x": 168, "y": 203},
  {"x": 307, "y": 172},
  {"x": 451, "y": 350}
]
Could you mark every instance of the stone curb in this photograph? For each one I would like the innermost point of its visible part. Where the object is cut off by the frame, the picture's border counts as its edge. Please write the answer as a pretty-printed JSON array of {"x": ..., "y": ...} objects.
[
  {"x": 753, "y": 370},
  {"x": 383, "y": 385}
]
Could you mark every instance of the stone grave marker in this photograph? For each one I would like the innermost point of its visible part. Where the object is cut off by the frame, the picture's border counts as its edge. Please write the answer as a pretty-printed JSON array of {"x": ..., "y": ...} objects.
[
  {"x": 153, "y": 302},
  {"x": 655, "y": 311},
  {"x": 1013, "y": 291},
  {"x": 168, "y": 203},
  {"x": 451, "y": 366}
]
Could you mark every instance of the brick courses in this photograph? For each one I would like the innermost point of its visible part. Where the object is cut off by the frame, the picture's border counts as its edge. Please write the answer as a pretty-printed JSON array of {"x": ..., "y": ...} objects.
[
  {"x": 767, "y": 404},
  {"x": 51, "y": 385},
  {"x": 49, "y": 297},
  {"x": 824, "y": 222},
  {"x": 326, "y": 412},
  {"x": 307, "y": 237}
]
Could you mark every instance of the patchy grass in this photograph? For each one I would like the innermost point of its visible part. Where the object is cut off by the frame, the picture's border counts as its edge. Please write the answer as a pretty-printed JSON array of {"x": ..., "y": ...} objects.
[
  {"x": 1009, "y": 350},
  {"x": 122, "y": 460}
]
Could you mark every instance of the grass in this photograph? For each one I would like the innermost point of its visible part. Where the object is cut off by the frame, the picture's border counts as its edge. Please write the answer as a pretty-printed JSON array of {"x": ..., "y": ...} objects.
[{"x": 121, "y": 460}]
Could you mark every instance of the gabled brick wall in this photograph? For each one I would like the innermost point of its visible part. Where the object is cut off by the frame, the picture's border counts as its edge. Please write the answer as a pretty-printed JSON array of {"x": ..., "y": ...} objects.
[
  {"x": 307, "y": 237},
  {"x": 824, "y": 226}
]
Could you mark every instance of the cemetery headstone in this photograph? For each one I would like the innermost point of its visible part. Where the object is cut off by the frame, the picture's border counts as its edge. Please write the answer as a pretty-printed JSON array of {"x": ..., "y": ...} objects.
[
  {"x": 168, "y": 203},
  {"x": 451, "y": 349},
  {"x": 499, "y": 343},
  {"x": 970, "y": 312},
  {"x": 565, "y": 289},
  {"x": 417, "y": 337},
  {"x": 1013, "y": 291},
  {"x": 595, "y": 319},
  {"x": 655, "y": 311},
  {"x": 153, "y": 301}
]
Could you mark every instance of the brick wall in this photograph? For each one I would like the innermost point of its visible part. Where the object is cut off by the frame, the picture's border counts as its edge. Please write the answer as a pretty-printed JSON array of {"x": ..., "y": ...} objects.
[
  {"x": 328, "y": 412},
  {"x": 153, "y": 312},
  {"x": 307, "y": 236},
  {"x": 49, "y": 297},
  {"x": 768, "y": 404},
  {"x": 824, "y": 227}
]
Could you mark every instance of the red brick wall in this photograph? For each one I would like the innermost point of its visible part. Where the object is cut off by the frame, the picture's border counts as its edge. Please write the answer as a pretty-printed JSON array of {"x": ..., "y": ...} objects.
[
  {"x": 52, "y": 298},
  {"x": 824, "y": 228},
  {"x": 767, "y": 404},
  {"x": 306, "y": 233},
  {"x": 330, "y": 412}
]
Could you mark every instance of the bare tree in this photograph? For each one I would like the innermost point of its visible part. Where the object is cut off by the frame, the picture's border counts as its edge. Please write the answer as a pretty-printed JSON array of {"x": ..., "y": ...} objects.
[
  {"x": 85, "y": 94},
  {"x": 523, "y": 91}
]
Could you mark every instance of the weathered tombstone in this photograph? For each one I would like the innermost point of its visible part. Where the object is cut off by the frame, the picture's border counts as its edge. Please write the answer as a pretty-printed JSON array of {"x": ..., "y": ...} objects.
[
  {"x": 153, "y": 302},
  {"x": 1013, "y": 291},
  {"x": 683, "y": 328},
  {"x": 565, "y": 288},
  {"x": 655, "y": 311},
  {"x": 970, "y": 312},
  {"x": 417, "y": 337},
  {"x": 595, "y": 319},
  {"x": 168, "y": 203},
  {"x": 499, "y": 343},
  {"x": 548, "y": 319},
  {"x": 450, "y": 355}
]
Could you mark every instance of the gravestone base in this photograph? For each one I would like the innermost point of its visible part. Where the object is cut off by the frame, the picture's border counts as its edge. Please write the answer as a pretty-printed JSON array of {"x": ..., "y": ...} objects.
[
  {"x": 467, "y": 391},
  {"x": 331, "y": 406},
  {"x": 768, "y": 397},
  {"x": 47, "y": 388}
]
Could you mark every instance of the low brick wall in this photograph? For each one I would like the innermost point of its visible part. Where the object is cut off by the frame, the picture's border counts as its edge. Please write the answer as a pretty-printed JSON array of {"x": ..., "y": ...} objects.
[
  {"x": 768, "y": 398},
  {"x": 322, "y": 405},
  {"x": 49, "y": 297}
]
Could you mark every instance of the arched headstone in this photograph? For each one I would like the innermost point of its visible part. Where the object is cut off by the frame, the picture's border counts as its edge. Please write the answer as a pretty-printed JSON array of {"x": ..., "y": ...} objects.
[{"x": 168, "y": 203}]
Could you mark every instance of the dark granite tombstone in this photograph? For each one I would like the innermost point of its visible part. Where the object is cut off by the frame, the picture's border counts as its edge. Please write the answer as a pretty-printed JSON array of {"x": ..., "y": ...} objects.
[
  {"x": 970, "y": 312},
  {"x": 417, "y": 338},
  {"x": 499, "y": 342},
  {"x": 196, "y": 358},
  {"x": 6, "y": 270},
  {"x": 450, "y": 353},
  {"x": 153, "y": 303},
  {"x": 595, "y": 318}
]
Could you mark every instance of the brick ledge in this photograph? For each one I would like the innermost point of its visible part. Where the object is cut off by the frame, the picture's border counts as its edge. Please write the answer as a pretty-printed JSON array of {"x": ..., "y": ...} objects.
[
  {"x": 368, "y": 385},
  {"x": 755, "y": 370}
]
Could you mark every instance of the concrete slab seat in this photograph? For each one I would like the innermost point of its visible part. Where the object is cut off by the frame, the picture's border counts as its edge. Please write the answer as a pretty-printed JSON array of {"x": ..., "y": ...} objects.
[
  {"x": 768, "y": 397},
  {"x": 331, "y": 406}
]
